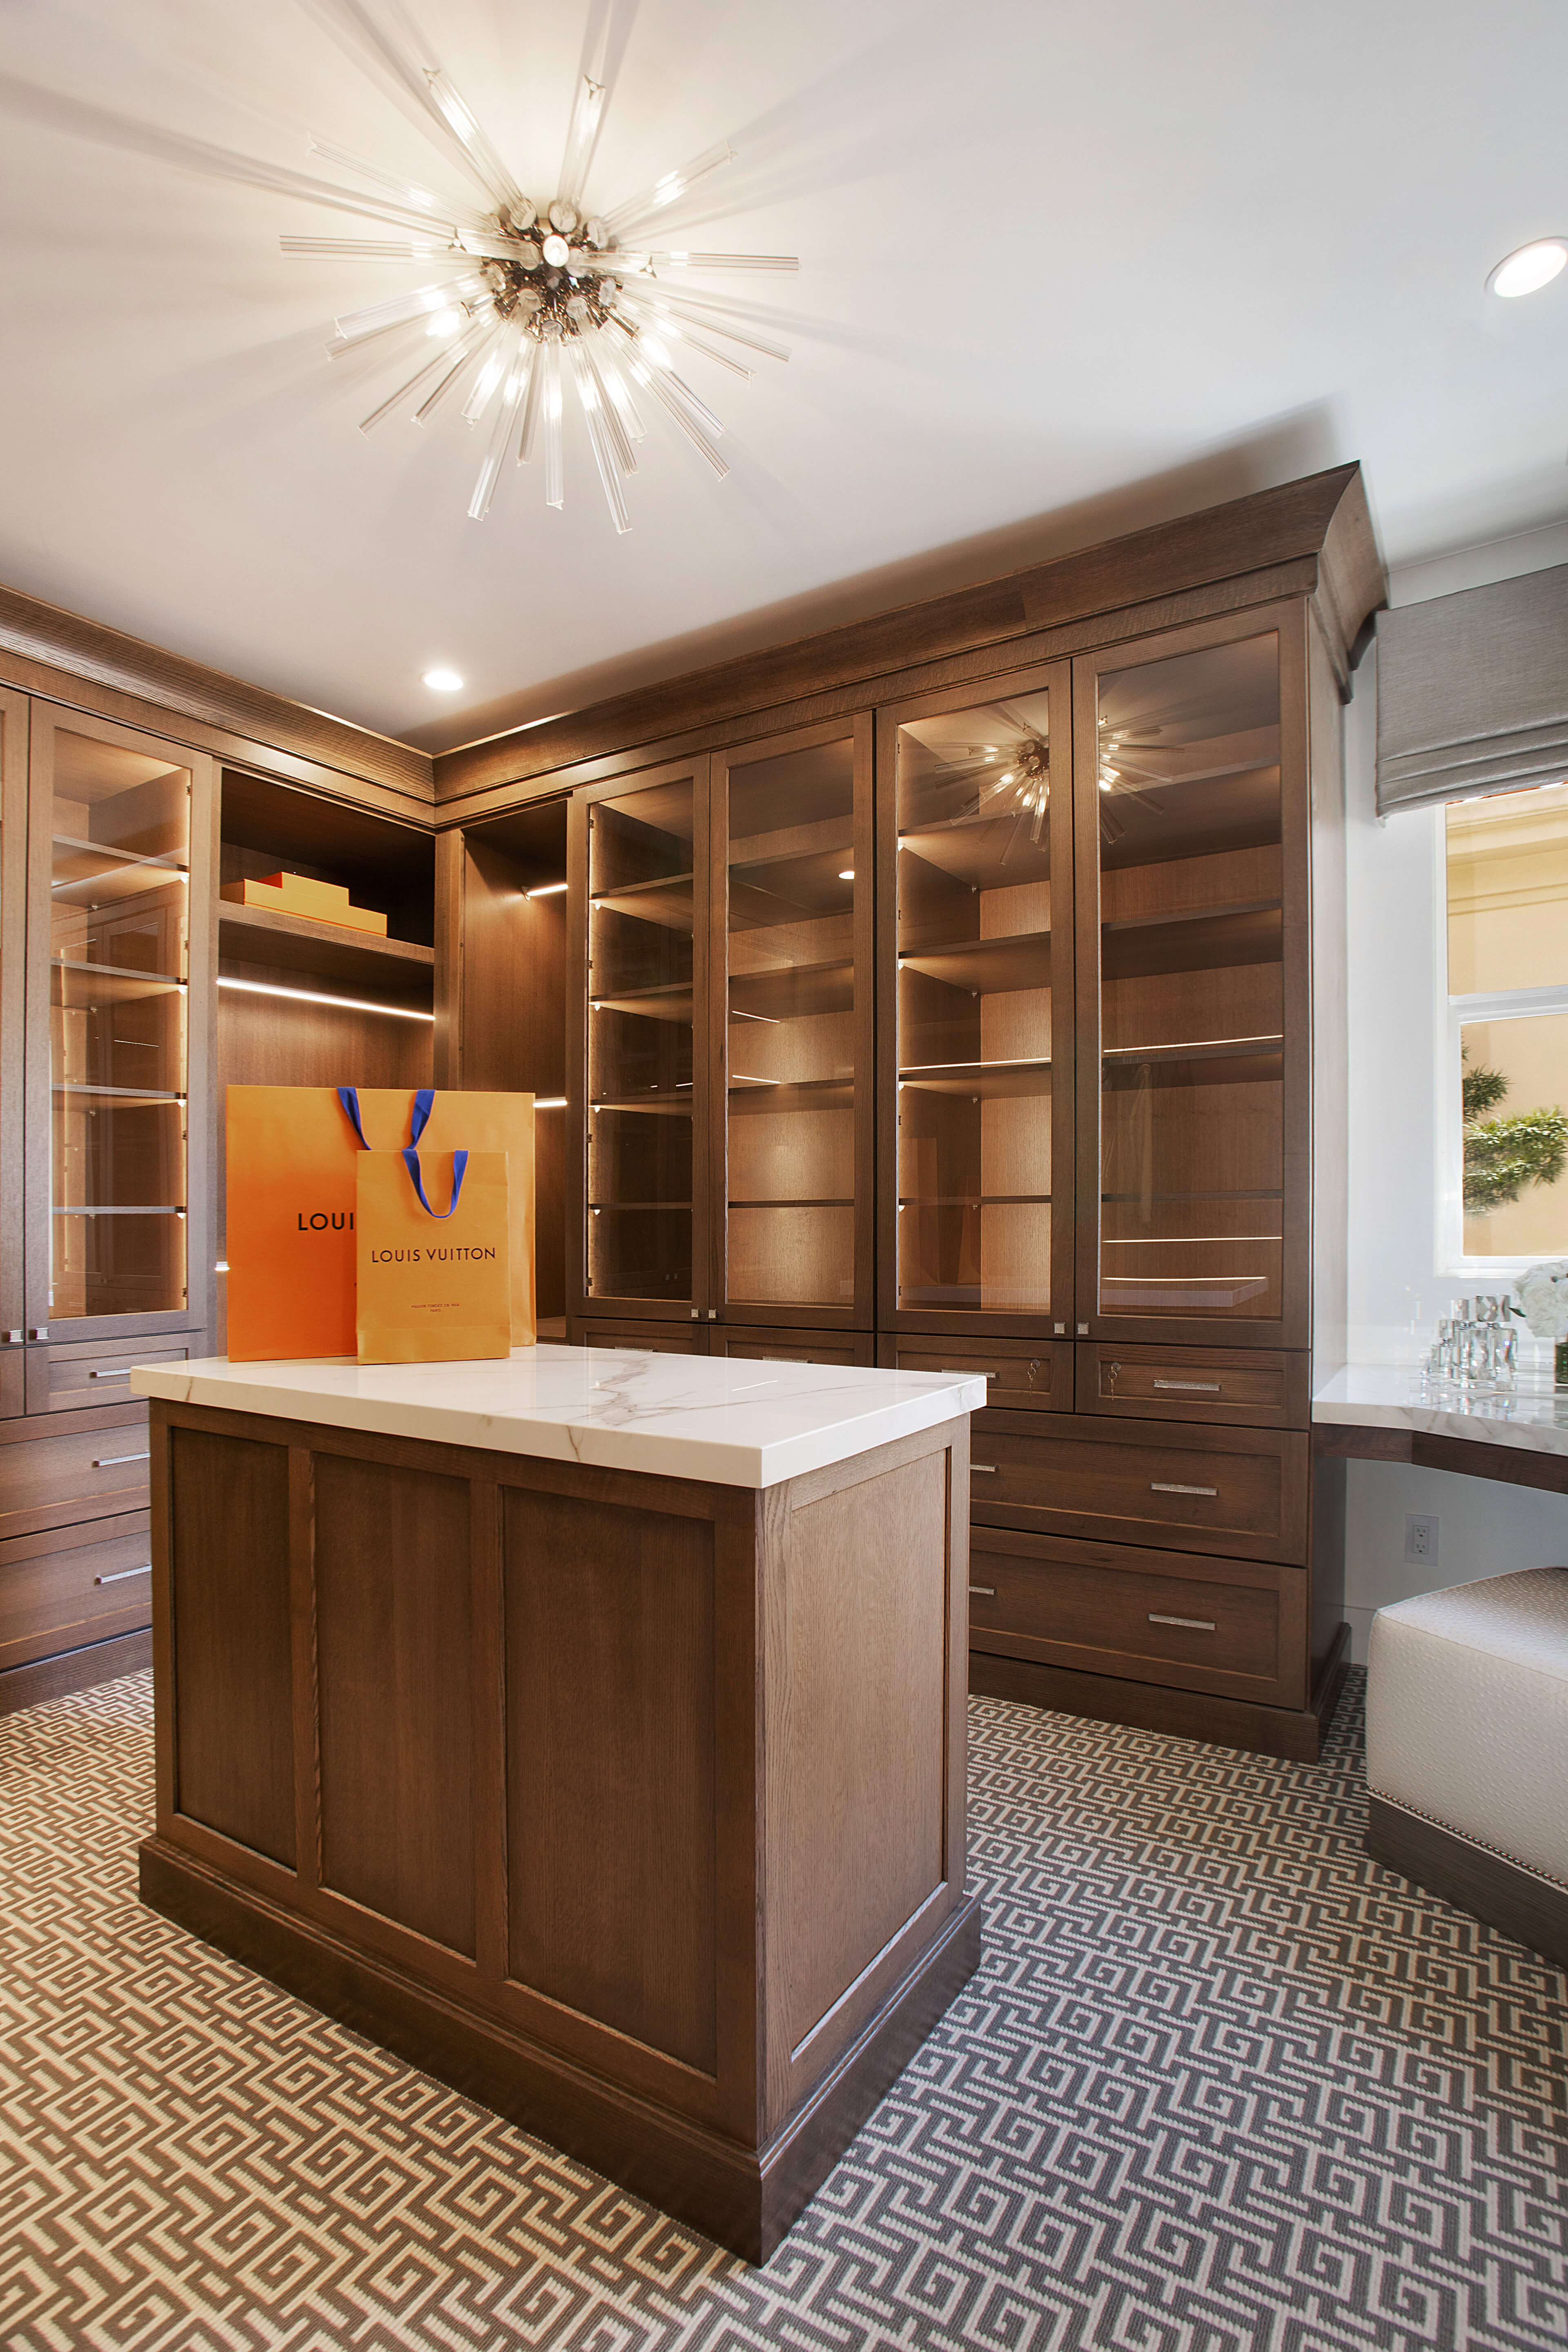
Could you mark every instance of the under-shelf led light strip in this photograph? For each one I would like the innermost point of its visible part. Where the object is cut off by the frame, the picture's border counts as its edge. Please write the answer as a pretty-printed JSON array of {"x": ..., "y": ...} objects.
[{"x": 313, "y": 996}]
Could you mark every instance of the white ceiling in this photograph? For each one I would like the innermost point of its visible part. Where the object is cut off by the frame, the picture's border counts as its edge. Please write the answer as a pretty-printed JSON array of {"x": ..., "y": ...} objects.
[{"x": 1065, "y": 269}]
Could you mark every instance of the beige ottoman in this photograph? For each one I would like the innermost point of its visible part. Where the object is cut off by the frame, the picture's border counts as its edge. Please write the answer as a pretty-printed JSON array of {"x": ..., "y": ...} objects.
[{"x": 1467, "y": 1750}]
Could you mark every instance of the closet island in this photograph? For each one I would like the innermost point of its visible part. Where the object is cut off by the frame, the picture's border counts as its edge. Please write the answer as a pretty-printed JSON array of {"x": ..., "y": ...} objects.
[{"x": 586, "y": 1726}]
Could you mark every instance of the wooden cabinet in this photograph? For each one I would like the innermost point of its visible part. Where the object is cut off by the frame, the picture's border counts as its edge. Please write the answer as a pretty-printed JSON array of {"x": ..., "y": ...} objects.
[{"x": 947, "y": 983}]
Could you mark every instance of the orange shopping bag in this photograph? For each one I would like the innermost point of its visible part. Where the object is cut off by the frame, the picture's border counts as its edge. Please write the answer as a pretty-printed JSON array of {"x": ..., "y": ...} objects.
[
  {"x": 292, "y": 1155},
  {"x": 432, "y": 1283}
]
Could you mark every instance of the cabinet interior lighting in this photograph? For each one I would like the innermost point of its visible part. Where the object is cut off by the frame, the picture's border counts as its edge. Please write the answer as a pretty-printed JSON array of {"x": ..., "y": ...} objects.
[
  {"x": 312, "y": 996},
  {"x": 546, "y": 890}
]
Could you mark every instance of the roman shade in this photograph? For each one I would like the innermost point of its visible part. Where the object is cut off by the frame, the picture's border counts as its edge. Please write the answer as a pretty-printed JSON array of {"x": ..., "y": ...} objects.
[{"x": 1472, "y": 692}]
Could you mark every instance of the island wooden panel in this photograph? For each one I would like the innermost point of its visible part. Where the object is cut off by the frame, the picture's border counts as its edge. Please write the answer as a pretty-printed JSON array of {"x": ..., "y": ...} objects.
[{"x": 631, "y": 1806}]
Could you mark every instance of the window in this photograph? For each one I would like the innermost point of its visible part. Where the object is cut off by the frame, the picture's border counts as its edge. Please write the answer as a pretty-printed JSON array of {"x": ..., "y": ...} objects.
[{"x": 1507, "y": 1128}]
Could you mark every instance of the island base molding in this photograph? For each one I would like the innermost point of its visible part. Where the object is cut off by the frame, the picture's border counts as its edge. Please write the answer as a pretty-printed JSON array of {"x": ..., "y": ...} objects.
[
  {"x": 1294, "y": 1733},
  {"x": 74, "y": 1670},
  {"x": 744, "y": 2198}
]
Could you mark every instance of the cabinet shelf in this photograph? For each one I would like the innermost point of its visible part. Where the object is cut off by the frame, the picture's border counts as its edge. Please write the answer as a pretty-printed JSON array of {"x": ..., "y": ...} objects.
[
  {"x": 1201, "y": 938},
  {"x": 118, "y": 1209},
  {"x": 995, "y": 967},
  {"x": 667, "y": 901},
  {"x": 111, "y": 1095},
  {"x": 298, "y": 943},
  {"x": 791, "y": 1202},
  {"x": 974, "y": 1200},
  {"x": 660, "y": 1105},
  {"x": 670, "y": 1001},
  {"x": 111, "y": 984},
  {"x": 794, "y": 992},
  {"x": 991, "y": 1080},
  {"x": 747, "y": 1095}
]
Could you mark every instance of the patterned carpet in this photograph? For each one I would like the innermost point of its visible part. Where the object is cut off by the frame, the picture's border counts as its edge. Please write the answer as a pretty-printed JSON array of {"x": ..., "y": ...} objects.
[{"x": 1221, "y": 2085}]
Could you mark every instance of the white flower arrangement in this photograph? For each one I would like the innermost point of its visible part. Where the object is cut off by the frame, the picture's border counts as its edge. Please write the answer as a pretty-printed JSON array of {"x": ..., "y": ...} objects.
[{"x": 1543, "y": 1298}]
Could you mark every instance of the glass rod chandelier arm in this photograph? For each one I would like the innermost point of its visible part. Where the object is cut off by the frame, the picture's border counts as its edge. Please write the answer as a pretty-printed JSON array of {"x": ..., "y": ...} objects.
[
  {"x": 532, "y": 404},
  {"x": 637, "y": 257},
  {"x": 440, "y": 208},
  {"x": 598, "y": 439},
  {"x": 520, "y": 352},
  {"x": 691, "y": 340},
  {"x": 475, "y": 343},
  {"x": 355, "y": 249},
  {"x": 616, "y": 384},
  {"x": 586, "y": 115},
  {"x": 658, "y": 309},
  {"x": 450, "y": 357},
  {"x": 489, "y": 377},
  {"x": 555, "y": 475},
  {"x": 585, "y": 355},
  {"x": 655, "y": 374},
  {"x": 401, "y": 308},
  {"x": 650, "y": 201},
  {"x": 483, "y": 160}
]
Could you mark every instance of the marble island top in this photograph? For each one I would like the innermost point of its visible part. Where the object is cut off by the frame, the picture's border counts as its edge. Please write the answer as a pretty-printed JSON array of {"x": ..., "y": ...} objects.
[
  {"x": 1532, "y": 1416},
  {"x": 731, "y": 1421}
]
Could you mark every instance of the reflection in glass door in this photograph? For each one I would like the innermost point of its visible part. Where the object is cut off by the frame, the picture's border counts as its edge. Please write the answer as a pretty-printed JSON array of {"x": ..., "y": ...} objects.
[
  {"x": 1180, "y": 808},
  {"x": 981, "y": 835},
  {"x": 120, "y": 832},
  {"x": 797, "y": 932},
  {"x": 642, "y": 902}
]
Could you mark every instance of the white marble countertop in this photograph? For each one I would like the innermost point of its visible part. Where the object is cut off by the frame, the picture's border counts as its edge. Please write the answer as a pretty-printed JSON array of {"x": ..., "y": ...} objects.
[
  {"x": 1532, "y": 1415},
  {"x": 731, "y": 1421}
]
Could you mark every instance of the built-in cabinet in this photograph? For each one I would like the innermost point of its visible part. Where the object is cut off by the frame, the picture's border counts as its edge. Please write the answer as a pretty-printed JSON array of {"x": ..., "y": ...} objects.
[
  {"x": 134, "y": 991},
  {"x": 967, "y": 1021}
]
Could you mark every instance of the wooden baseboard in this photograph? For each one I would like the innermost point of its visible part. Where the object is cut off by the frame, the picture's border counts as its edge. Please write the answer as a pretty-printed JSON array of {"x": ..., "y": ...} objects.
[
  {"x": 73, "y": 1670},
  {"x": 745, "y": 2197},
  {"x": 1491, "y": 1888},
  {"x": 1294, "y": 1733}
]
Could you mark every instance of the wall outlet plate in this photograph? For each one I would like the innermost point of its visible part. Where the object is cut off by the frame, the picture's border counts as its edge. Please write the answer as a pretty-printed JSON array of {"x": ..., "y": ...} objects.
[{"x": 1420, "y": 1538}]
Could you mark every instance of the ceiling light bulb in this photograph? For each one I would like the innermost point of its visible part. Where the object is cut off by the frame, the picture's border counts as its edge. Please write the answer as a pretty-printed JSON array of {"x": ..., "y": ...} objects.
[
  {"x": 848, "y": 874},
  {"x": 1530, "y": 268},
  {"x": 443, "y": 681},
  {"x": 555, "y": 250}
]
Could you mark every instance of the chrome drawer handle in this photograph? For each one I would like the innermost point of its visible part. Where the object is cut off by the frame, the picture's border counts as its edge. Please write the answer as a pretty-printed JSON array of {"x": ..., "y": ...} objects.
[
  {"x": 989, "y": 1467},
  {"x": 1168, "y": 1487},
  {"x": 112, "y": 1460},
  {"x": 121, "y": 1574},
  {"x": 988, "y": 1589},
  {"x": 125, "y": 1375},
  {"x": 1207, "y": 1388},
  {"x": 1196, "y": 1625}
]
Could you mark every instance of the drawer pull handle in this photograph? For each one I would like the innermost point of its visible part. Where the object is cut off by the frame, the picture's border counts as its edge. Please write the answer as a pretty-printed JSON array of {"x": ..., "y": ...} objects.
[
  {"x": 1194, "y": 1624},
  {"x": 1204, "y": 1387},
  {"x": 988, "y": 1589},
  {"x": 125, "y": 1375},
  {"x": 121, "y": 1574},
  {"x": 112, "y": 1460},
  {"x": 989, "y": 1467},
  {"x": 1170, "y": 1487}
]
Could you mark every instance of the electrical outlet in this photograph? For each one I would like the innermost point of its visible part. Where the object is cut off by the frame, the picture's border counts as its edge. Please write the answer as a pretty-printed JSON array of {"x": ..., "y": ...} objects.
[{"x": 1420, "y": 1538}]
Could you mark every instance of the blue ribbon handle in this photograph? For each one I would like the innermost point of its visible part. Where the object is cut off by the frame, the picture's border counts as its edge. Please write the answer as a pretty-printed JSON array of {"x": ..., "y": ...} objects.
[
  {"x": 423, "y": 1103},
  {"x": 459, "y": 1170}
]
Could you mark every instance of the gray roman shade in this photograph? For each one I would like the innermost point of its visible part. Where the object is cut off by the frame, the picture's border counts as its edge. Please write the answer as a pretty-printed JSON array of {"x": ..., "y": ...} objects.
[{"x": 1472, "y": 692}]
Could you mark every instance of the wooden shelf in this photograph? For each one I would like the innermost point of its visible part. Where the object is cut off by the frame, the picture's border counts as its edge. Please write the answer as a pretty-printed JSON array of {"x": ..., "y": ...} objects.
[
  {"x": 295, "y": 943},
  {"x": 1206, "y": 939},
  {"x": 984, "y": 967}
]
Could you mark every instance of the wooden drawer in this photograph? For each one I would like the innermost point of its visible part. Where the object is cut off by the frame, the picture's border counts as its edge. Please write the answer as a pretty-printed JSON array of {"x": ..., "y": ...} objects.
[
  {"x": 55, "y": 1482},
  {"x": 72, "y": 1586},
  {"x": 785, "y": 1347},
  {"x": 1261, "y": 1387},
  {"x": 1027, "y": 1375},
  {"x": 1242, "y": 1491},
  {"x": 1236, "y": 1628},
  {"x": 94, "y": 1371},
  {"x": 658, "y": 1338}
]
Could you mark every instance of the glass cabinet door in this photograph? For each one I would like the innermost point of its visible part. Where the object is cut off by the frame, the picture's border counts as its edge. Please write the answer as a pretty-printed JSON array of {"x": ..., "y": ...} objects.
[
  {"x": 1183, "y": 777},
  {"x": 13, "y": 990},
  {"x": 982, "y": 1022},
  {"x": 793, "y": 841},
  {"x": 111, "y": 826},
  {"x": 646, "y": 884}
]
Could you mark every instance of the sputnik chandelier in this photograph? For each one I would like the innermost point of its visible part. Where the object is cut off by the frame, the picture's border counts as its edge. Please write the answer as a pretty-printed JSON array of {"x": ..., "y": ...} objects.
[
  {"x": 535, "y": 298},
  {"x": 1013, "y": 781}
]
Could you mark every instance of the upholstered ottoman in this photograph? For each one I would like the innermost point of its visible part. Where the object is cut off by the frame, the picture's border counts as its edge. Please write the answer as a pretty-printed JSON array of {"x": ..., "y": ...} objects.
[{"x": 1467, "y": 1750}]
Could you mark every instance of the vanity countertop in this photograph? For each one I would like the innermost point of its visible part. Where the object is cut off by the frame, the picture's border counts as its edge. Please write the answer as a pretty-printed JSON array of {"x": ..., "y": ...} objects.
[
  {"x": 1532, "y": 1416},
  {"x": 730, "y": 1421}
]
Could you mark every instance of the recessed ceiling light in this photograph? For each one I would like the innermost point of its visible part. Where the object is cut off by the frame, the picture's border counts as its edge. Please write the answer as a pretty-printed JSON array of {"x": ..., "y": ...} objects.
[
  {"x": 443, "y": 681},
  {"x": 1533, "y": 267}
]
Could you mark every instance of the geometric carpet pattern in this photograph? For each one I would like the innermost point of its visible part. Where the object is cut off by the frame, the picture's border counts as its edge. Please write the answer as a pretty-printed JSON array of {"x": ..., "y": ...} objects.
[{"x": 1221, "y": 2084}]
